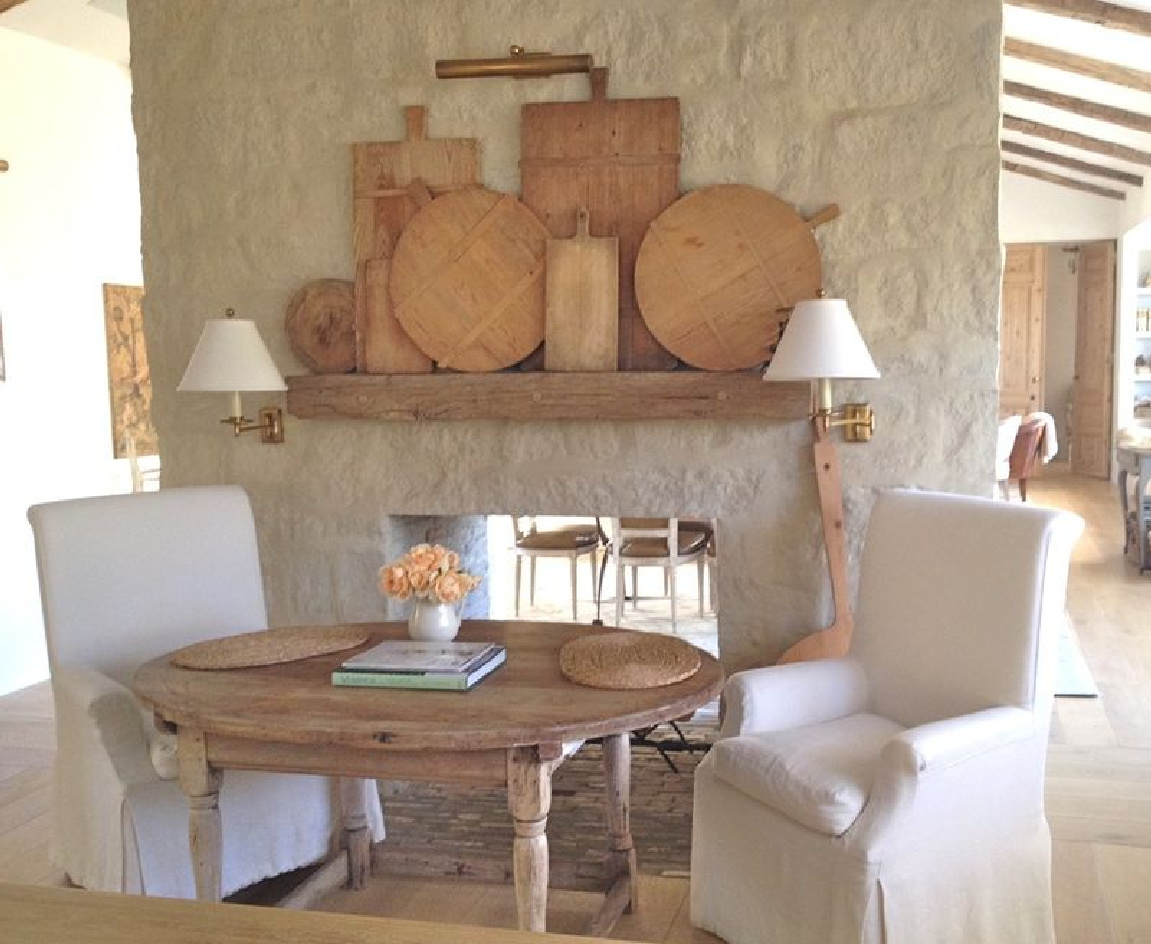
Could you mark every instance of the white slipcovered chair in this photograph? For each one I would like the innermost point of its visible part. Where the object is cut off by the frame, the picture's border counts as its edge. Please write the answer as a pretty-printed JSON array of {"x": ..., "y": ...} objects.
[
  {"x": 896, "y": 795},
  {"x": 124, "y": 579}
]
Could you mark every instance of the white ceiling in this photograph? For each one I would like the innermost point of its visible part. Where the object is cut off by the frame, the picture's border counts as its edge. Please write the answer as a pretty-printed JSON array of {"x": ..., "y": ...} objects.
[
  {"x": 95, "y": 27},
  {"x": 1094, "y": 42}
]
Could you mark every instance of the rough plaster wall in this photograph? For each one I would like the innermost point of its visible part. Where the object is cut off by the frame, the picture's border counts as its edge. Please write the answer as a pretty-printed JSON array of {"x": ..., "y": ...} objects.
[{"x": 245, "y": 112}]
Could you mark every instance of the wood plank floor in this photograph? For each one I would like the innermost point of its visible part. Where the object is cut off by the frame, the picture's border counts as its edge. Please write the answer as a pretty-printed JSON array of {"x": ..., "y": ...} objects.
[{"x": 1098, "y": 787}]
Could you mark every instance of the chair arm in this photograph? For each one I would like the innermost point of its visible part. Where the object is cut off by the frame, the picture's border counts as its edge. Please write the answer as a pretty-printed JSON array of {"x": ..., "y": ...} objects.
[
  {"x": 790, "y": 696},
  {"x": 100, "y": 711},
  {"x": 934, "y": 763}
]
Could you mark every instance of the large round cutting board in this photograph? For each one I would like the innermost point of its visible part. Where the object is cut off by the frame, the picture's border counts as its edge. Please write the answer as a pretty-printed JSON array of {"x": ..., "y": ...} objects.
[
  {"x": 467, "y": 280},
  {"x": 716, "y": 268}
]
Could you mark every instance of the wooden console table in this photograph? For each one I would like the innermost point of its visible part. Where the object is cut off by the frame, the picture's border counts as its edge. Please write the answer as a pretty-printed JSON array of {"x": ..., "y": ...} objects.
[
  {"x": 1133, "y": 460},
  {"x": 510, "y": 730}
]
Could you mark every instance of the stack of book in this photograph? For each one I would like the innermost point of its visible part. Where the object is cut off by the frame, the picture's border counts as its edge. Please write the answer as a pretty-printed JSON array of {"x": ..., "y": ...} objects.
[{"x": 439, "y": 666}]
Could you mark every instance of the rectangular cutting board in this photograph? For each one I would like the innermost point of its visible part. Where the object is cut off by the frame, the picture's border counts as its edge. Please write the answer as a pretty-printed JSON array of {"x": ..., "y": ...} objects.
[
  {"x": 582, "y": 327},
  {"x": 620, "y": 160},
  {"x": 382, "y": 205}
]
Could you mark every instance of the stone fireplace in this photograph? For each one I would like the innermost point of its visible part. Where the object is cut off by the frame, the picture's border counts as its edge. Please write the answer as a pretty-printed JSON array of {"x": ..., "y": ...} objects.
[{"x": 245, "y": 116}]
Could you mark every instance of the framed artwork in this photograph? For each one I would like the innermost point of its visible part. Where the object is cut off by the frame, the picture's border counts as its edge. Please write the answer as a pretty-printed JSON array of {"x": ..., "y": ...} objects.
[{"x": 129, "y": 379}]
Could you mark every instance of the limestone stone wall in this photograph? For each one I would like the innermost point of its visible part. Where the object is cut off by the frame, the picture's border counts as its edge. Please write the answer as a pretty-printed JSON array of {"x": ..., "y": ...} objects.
[{"x": 245, "y": 110}]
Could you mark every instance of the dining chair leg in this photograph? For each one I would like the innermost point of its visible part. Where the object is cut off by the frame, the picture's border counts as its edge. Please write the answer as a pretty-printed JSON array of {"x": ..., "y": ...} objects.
[
  {"x": 619, "y": 591},
  {"x": 670, "y": 571},
  {"x": 532, "y": 581},
  {"x": 574, "y": 561},
  {"x": 594, "y": 589},
  {"x": 519, "y": 575},
  {"x": 700, "y": 565},
  {"x": 635, "y": 588}
]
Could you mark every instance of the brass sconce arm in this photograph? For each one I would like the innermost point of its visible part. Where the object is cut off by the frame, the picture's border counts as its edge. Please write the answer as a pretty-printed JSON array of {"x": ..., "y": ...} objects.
[
  {"x": 857, "y": 419},
  {"x": 271, "y": 425}
]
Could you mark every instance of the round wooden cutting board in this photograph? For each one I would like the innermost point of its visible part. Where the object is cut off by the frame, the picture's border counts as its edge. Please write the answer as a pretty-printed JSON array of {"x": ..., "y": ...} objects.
[
  {"x": 467, "y": 280},
  {"x": 321, "y": 326},
  {"x": 716, "y": 267}
]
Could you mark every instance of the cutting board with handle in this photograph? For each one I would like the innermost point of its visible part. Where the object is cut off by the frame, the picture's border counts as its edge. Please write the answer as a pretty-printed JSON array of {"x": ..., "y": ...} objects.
[
  {"x": 467, "y": 280},
  {"x": 718, "y": 267},
  {"x": 382, "y": 206},
  {"x": 619, "y": 159},
  {"x": 582, "y": 328}
]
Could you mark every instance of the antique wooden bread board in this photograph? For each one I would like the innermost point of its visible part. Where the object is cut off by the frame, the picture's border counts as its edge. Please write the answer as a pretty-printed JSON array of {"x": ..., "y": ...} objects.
[
  {"x": 582, "y": 330},
  {"x": 467, "y": 280},
  {"x": 717, "y": 269},
  {"x": 381, "y": 207},
  {"x": 321, "y": 326},
  {"x": 620, "y": 160}
]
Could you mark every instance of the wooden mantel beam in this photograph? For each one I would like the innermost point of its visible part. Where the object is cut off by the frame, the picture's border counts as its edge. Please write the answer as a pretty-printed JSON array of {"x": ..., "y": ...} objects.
[
  {"x": 1110, "y": 15},
  {"x": 1060, "y": 181},
  {"x": 1076, "y": 140},
  {"x": 1080, "y": 106},
  {"x": 9, "y": 4},
  {"x": 1084, "y": 167},
  {"x": 1080, "y": 65}
]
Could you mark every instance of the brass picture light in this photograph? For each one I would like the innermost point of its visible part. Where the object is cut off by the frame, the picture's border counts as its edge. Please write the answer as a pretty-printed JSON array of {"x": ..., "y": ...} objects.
[{"x": 519, "y": 63}]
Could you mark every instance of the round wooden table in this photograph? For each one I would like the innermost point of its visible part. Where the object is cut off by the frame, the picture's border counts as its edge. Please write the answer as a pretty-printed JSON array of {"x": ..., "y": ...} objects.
[{"x": 510, "y": 730}]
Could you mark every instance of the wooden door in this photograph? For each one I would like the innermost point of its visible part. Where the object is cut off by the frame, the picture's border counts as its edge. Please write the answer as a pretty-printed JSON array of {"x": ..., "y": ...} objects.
[
  {"x": 1094, "y": 378},
  {"x": 1021, "y": 330}
]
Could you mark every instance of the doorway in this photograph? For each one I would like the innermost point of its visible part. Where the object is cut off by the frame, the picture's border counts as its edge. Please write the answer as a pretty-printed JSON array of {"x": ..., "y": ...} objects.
[{"x": 1057, "y": 338}]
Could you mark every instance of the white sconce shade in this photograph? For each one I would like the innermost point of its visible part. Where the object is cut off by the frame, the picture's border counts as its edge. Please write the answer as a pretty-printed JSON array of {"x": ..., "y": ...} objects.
[
  {"x": 820, "y": 341},
  {"x": 231, "y": 356}
]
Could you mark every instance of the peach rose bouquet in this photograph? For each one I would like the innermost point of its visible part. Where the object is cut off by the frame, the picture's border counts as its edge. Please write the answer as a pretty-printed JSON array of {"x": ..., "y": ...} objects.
[{"x": 427, "y": 572}]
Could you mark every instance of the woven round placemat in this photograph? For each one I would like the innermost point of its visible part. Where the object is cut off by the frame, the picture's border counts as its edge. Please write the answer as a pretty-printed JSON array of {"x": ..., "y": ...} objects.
[
  {"x": 268, "y": 647},
  {"x": 628, "y": 660}
]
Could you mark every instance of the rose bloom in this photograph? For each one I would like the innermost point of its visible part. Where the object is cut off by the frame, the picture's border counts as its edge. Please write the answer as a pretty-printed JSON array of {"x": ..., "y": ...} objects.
[
  {"x": 421, "y": 581},
  {"x": 394, "y": 582},
  {"x": 422, "y": 557},
  {"x": 449, "y": 588}
]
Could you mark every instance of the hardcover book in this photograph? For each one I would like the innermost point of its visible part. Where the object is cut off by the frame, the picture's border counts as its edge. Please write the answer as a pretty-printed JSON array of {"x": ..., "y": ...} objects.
[
  {"x": 432, "y": 681},
  {"x": 404, "y": 655}
]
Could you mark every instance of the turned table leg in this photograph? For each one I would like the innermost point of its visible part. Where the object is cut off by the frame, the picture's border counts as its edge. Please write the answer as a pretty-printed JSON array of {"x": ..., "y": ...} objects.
[
  {"x": 354, "y": 801},
  {"x": 529, "y": 799},
  {"x": 201, "y": 784},
  {"x": 622, "y": 874}
]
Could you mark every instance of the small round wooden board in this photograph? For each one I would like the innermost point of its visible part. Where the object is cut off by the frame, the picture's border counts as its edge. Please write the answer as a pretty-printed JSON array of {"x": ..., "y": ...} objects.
[
  {"x": 268, "y": 647},
  {"x": 717, "y": 268},
  {"x": 467, "y": 280},
  {"x": 628, "y": 660},
  {"x": 321, "y": 325}
]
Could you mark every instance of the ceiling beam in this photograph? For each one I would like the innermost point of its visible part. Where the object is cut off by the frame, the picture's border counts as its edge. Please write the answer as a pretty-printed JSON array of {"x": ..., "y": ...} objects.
[
  {"x": 1110, "y": 15},
  {"x": 1059, "y": 180},
  {"x": 1074, "y": 139},
  {"x": 1096, "y": 170},
  {"x": 1081, "y": 65},
  {"x": 1080, "y": 106}
]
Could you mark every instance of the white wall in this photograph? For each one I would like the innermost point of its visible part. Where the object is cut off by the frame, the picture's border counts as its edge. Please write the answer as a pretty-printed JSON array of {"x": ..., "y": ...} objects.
[
  {"x": 1034, "y": 211},
  {"x": 69, "y": 221},
  {"x": 1059, "y": 355}
]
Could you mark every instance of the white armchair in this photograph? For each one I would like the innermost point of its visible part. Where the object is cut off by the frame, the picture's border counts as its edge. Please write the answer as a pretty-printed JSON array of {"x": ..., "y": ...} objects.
[
  {"x": 896, "y": 794},
  {"x": 124, "y": 579}
]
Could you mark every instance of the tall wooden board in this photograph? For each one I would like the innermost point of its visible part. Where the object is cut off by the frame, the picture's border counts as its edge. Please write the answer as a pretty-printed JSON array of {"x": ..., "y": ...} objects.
[
  {"x": 1021, "y": 330},
  {"x": 382, "y": 206},
  {"x": 582, "y": 326},
  {"x": 1094, "y": 342},
  {"x": 620, "y": 160}
]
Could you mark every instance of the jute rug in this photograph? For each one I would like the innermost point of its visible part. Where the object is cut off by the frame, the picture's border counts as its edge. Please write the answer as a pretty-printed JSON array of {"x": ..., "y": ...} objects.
[{"x": 439, "y": 829}]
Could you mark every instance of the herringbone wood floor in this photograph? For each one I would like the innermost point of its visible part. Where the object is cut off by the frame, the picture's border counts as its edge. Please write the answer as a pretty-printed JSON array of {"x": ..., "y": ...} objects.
[{"x": 1099, "y": 774}]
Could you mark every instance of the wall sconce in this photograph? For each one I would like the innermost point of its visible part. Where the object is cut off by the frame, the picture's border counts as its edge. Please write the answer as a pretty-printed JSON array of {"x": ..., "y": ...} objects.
[
  {"x": 232, "y": 357},
  {"x": 821, "y": 343},
  {"x": 519, "y": 63}
]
